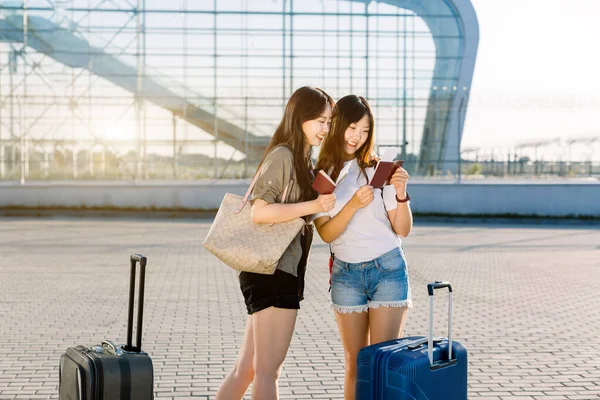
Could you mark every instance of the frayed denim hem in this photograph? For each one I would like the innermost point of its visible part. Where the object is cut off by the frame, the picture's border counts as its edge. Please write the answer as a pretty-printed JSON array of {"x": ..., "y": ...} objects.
[
  {"x": 402, "y": 303},
  {"x": 349, "y": 309}
]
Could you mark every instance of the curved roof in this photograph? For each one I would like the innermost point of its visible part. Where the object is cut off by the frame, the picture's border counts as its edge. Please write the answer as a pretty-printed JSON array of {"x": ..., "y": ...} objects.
[{"x": 455, "y": 30}]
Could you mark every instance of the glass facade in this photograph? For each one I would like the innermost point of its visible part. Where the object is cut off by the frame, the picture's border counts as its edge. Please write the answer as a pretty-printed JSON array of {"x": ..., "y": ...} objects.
[{"x": 157, "y": 89}]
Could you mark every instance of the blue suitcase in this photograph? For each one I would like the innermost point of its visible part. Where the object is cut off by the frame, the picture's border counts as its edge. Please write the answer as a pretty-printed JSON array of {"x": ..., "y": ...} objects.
[{"x": 416, "y": 367}]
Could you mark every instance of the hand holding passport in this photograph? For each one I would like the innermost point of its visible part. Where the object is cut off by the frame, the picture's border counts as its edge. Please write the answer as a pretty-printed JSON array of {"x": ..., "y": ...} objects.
[{"x": 384, "y": 171}]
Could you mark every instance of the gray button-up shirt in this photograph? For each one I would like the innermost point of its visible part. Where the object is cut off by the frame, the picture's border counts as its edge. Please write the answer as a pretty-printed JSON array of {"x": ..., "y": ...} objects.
[{"x": 277, "y": 172}]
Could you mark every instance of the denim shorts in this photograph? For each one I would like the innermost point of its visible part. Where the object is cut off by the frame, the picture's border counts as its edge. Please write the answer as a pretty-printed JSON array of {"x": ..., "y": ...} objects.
[{"x": 356, "y": 287}]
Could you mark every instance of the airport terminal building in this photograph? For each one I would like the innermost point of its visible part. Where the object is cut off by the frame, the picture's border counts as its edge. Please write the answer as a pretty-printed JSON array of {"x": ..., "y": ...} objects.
[{"x": 188, "y": 90}]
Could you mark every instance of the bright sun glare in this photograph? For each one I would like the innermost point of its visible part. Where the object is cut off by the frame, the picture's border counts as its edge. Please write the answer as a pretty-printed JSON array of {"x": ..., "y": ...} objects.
[{"x": 119, "y": 131}]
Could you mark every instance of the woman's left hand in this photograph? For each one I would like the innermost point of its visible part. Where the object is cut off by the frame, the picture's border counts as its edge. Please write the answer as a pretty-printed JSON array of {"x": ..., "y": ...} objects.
[{"x": 400, "y": 180}]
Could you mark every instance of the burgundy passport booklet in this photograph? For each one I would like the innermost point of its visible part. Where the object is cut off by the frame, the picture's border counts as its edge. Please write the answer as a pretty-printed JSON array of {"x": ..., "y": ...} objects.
[
  {"x": 383, "y": 173},
  {"x": 323, "y": 183}
]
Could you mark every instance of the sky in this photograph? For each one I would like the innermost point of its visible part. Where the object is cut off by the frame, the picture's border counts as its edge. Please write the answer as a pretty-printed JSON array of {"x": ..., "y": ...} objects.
[{"x": 537, "y": 74}]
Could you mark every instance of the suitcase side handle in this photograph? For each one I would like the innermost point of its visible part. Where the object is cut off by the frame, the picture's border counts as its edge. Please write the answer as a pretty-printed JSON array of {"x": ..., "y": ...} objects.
[
  {"x": 135, "y": 258},
  {"x": 420, "y": 342},
  {"x": 430, "y": 289}
]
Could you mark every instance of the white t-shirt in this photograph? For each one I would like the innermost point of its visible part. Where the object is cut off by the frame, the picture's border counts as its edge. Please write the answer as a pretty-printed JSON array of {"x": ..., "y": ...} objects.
[{"x": 369, "y": 233}]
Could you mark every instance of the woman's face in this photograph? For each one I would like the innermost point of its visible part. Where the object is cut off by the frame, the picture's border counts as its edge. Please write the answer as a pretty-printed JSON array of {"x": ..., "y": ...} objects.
[
  {"x": 356, "y": 135},
  {"x": 316, "y": 129}
]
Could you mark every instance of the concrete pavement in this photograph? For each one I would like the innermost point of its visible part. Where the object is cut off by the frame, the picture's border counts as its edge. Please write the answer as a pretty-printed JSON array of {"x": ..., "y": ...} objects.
[{"x": 526, "y": 306}]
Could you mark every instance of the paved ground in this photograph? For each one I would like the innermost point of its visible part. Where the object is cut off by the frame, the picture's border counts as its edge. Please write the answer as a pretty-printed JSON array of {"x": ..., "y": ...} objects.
[{"x": 527, "y": 306}]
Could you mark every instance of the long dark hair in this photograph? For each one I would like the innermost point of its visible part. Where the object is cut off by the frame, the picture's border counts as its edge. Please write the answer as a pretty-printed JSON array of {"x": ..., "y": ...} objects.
[
  {"x": 307, "y": 103},
  {"x": 348, "y": 110}
]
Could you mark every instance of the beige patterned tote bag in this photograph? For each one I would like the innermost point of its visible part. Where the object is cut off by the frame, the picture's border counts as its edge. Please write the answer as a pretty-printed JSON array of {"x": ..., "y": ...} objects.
[{"x": 244, "y": 245}]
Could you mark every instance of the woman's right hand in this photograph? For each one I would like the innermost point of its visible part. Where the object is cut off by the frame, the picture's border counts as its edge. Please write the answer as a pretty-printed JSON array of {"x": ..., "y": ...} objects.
[
  {"x": 363, "y": 197},
  {"x": 326, "y": 202}
]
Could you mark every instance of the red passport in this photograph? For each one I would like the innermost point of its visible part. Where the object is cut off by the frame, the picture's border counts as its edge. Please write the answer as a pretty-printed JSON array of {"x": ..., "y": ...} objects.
[
  {"x": 383, "y": 173},
  {"x": 323, "y": 183}
]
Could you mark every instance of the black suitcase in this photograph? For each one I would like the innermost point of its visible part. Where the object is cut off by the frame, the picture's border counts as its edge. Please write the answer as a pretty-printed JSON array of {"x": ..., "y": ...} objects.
[{"x": 108, "y": 371}]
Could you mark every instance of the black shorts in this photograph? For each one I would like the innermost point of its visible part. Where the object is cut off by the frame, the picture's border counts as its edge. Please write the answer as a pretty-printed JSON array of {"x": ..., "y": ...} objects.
[{"x": 281, "y": 290}]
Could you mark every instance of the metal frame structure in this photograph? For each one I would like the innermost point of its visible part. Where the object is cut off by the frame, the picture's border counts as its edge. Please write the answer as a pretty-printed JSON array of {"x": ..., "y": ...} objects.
[{"x": 138, "y": 89}]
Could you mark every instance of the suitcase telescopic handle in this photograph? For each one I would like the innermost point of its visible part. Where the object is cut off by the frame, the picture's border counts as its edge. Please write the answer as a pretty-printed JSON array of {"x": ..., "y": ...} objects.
[
  {"x": 430, "y": 289},
  {"x": 139, "y": 258},
  {"x": 135, "y": 259}
]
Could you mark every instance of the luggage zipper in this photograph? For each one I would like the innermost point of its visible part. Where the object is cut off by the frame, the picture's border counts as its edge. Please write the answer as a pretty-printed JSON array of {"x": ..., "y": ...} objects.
[{"x": 97, "y": 371}]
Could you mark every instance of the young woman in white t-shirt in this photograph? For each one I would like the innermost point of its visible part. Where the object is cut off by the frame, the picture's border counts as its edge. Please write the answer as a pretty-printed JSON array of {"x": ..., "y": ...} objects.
[{"x": 370, "y": 291}]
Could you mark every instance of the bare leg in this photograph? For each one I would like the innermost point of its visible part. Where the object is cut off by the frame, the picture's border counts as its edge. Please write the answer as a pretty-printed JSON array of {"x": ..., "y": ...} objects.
[
  {"x": 240, "y": 377},
  {"x": 273, "y": 329},
  {"x": 386, "y": 323},
  {"x": 354, "y": 331}
]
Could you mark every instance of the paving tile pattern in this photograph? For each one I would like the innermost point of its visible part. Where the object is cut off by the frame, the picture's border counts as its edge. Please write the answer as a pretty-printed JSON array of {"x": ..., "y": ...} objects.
[{"x": 526, "y": 306}]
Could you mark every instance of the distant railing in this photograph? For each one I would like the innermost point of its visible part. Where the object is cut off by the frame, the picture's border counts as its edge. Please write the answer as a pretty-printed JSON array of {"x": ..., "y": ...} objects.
[{"x": 103, "y": 163}]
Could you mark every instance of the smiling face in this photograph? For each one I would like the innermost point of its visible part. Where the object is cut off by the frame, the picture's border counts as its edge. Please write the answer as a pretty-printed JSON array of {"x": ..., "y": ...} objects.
[
  {"x": 356, "y": 135},
  {"x": 315, "y": 130},
  {"x": 351, "y": 136}
]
